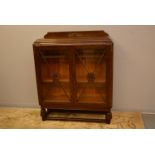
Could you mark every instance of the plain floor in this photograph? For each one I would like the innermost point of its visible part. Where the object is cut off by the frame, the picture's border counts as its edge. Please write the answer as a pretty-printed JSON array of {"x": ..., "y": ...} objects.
[{"x": 149, "y": 121}]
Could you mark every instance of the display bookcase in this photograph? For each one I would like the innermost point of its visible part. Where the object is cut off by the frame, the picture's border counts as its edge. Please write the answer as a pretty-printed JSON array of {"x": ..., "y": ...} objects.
[{"x": 74, "y": 75}]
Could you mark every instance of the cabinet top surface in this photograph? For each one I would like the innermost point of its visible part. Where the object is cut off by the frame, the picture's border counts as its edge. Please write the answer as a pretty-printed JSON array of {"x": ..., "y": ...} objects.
[{"x": 74, "y": 38}]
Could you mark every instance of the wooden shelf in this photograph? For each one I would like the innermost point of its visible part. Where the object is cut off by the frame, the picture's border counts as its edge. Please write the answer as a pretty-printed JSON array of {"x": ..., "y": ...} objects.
[
  {"x": 63, "y": 57},
  {"x": 80, "y": 83},
  {"x": 51, "y": 81},
  {"x": 96, "y": 81},
  {"x": 53, "y": 57},
  {"x": 56, "y": 101}
]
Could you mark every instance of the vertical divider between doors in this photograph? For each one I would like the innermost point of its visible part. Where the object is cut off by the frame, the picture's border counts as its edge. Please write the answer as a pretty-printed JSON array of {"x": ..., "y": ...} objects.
[{"x": 72, "y": 71}]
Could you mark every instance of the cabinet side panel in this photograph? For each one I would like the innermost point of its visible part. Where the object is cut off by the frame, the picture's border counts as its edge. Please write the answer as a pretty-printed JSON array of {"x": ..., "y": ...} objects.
[
  {"x": 109, "y": 75},
  {"x": 38, "y": 73}
]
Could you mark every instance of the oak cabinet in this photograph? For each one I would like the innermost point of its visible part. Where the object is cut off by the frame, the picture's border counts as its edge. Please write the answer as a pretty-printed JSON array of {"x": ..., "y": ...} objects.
[{"x": 74, "y": 75}]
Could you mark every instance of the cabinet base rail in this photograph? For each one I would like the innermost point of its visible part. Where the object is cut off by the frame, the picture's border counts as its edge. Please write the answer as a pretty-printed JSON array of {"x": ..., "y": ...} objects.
[{"x": 76, "y": 115}]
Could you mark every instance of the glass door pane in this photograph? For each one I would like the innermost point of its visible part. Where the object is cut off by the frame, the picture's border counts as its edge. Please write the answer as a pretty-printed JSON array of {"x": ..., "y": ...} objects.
[
  {"x": 91, "y": 75},
  {"x": 55, "y": 76}
]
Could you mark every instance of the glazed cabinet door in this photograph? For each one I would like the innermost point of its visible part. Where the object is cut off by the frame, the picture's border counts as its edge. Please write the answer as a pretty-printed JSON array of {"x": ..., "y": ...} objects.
[
  {"x": 91, "y": 77},
  {"x": 53, "y": 76}
]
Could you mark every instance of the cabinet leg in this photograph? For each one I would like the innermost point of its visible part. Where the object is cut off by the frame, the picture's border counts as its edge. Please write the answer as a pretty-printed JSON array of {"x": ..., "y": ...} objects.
[
  {"x": 43, "y": 114},
  {"x": 108, "y": 117}
]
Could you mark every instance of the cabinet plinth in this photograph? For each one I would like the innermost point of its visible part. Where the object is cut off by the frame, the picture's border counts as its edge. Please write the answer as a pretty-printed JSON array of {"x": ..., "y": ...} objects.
[{"x": 74, "y": 72}]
